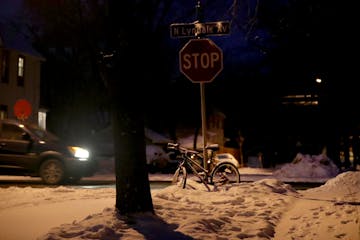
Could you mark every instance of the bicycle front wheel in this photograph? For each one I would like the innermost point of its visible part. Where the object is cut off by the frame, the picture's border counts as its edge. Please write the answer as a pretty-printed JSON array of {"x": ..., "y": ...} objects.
[
  {"x": 180, "y": 176},
  {"x": 225, "y": 173}
]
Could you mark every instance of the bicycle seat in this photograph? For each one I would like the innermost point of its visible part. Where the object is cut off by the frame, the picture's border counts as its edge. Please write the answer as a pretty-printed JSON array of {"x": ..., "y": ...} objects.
[{"x": 213, "y": 147}]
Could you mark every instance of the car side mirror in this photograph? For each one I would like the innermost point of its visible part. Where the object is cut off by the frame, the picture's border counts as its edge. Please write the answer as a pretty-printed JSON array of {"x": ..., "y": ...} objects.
[{"x": 26, "y": 136}]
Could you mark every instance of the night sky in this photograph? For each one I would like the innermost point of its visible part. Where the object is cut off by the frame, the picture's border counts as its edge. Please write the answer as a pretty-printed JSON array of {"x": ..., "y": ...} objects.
[
  {"x": 286, "y": 51},
  {"x": 276, "y": 51}
]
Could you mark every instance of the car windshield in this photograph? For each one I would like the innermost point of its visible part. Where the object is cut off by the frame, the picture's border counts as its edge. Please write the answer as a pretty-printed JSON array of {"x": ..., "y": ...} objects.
[{"x": 42, "y": 134}]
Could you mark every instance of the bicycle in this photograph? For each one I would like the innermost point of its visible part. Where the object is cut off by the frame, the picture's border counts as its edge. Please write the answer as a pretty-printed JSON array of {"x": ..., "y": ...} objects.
[{"x": 218, "y": 172}]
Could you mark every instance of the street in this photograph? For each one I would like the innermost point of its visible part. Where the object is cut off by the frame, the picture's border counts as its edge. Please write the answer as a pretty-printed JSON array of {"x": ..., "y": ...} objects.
[{"x": 102, "y": 181}]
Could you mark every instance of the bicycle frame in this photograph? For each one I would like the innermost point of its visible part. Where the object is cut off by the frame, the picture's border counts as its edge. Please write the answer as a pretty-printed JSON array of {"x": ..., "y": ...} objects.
[
  {"x": 217, "y": 173},
  {"x": 186, "y": 159},
  {"x": 190, "y": 163}
]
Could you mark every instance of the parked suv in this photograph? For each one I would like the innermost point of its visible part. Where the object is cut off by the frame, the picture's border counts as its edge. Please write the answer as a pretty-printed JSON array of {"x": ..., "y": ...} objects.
[{"x": 26, "y": 149}]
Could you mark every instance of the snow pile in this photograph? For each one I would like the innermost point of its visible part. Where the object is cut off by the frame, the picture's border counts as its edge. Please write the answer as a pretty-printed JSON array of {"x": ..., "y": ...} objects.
[
  {"x": 156, "y": 154},
  {"x": 306, "y": 166},
  {"x": 346, "y": 180}
]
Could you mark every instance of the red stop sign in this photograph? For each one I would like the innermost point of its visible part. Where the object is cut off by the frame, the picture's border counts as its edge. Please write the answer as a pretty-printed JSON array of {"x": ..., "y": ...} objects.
[
  {"x": 201, "y": 60},
  {"x": 22, "y": 109}
]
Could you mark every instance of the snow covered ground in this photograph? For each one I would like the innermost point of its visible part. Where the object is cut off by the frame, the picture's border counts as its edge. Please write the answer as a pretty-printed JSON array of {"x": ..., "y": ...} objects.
[{"x": 265, "y": 208}]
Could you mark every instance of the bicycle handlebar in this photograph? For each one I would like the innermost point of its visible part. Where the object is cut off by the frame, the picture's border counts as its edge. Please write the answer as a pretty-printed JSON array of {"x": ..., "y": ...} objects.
[
  {"x": 176, "y": 146},
  {"x": 172, "y": 146}
]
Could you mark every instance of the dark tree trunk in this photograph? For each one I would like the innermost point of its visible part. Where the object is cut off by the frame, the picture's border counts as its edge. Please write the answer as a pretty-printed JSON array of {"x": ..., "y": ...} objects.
[
  {"x": 132, "y": 184},
  {"x": 128, "y": 99}
]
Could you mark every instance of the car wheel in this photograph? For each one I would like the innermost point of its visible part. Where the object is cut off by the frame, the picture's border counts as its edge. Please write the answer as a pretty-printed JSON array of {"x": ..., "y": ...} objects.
[{"x": 52, "y": 171}]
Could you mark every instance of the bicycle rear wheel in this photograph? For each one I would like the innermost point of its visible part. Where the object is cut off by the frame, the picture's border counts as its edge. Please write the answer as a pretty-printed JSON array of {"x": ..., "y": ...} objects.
[
  {"x": 180, "y": 176},
  {"x": 225, "y": 173}
]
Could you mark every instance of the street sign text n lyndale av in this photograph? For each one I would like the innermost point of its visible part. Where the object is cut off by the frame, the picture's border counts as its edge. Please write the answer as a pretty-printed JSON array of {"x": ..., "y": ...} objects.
[{"x": 178, "y": 30}]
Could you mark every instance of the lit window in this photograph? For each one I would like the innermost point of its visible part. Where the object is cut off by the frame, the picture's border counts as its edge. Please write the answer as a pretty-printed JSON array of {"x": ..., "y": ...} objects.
[
  {"x": 42, "y": 119},
  {"x": 21, "y": 67},
  {"x": 21, "y": 71}
]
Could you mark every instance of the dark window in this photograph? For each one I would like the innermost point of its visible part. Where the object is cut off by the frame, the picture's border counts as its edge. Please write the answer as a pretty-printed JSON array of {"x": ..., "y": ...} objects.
[
  {"x": 3, "y": 111},
  {"x": 4, "y": 68}
]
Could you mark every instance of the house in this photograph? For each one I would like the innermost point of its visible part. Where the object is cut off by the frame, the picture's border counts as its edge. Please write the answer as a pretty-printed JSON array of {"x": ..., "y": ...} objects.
[{"x": 20, "y": 67}]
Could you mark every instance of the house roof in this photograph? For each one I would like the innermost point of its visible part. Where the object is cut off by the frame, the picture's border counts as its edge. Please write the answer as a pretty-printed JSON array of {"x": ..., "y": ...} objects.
[{"x": 12, "y": 38}]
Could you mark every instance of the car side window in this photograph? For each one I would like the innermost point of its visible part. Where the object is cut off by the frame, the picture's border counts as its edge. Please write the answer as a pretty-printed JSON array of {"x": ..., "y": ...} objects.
[{"x": 12, "y": 132}]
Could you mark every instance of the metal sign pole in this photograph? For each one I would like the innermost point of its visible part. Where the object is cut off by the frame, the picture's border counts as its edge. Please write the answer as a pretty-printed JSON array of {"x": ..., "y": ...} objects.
[
  {"x": 202, "y": 95},
  {"x": 203, "y": 122}
]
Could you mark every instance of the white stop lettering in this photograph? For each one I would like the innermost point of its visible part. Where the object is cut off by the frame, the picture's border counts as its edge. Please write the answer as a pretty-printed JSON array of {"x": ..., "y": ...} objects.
[{"x": 200, "y": 60}]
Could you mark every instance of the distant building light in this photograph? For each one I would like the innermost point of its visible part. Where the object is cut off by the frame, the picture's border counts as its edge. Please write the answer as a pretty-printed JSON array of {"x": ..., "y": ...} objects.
[{"x": 301, "y": 100}]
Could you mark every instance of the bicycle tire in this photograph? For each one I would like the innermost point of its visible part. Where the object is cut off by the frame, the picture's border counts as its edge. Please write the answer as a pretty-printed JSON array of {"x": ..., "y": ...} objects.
[
  {"x": 180, "y": 176},
  {"x": 225, "y": 173}
]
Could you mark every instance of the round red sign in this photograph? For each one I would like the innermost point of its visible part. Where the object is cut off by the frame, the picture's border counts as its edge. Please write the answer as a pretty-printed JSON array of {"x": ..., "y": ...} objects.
[{"x": 22, "y": 109}]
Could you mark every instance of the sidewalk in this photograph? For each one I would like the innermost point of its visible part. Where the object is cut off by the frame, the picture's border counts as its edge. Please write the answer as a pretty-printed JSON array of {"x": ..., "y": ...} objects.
[
  {"x": 108, "y": 176},
  {"x": 247, "y": 174}
]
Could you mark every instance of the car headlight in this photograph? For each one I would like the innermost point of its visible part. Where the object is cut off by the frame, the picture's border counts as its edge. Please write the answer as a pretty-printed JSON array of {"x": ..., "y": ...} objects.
[{"x": 80, "y": 153}]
